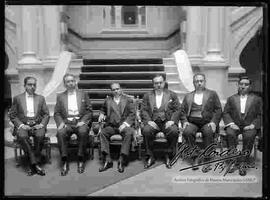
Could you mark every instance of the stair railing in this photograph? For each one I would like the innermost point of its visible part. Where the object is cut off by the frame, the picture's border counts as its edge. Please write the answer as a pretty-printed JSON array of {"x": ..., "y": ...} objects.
[
  {"x": 60, "y": 69},
  {"x": 185, "y": 72}
]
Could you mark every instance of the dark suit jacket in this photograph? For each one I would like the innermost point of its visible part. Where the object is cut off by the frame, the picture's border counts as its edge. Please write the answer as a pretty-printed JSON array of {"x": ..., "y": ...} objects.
[
  {"x": 83, "y": 103},
  {"x": 18, "y": 110},
  {"x": 253, "y": 110},
  {"x": 211, "y": 106},
  {"x": 169, "y": 104},
  {"x": 115, "y": 116}
]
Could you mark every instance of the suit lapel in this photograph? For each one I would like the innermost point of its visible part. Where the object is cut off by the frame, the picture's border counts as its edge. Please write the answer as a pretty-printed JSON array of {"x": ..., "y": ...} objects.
[
  {"x": 115, "y": 107},
  {"x": 237, "y": 104},
  {"x": 190, "y": 99},
  {"x": 248, "y": 103},
  {"x": 165, "y": 99},
  {"x": 65, "y": 101},
  {"x": 206, "y": 95},
  {"x": 79, "y": 99},
  {"x": 152, "y": 100},
  {"x": 23, "y": 102},
  {"x": 123, "y": 103},
  {"x": 36, "y": 101}
]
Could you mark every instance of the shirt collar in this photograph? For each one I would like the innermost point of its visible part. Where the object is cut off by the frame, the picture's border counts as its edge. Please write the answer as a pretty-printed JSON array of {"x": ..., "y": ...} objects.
[
  {"x": 243, "y": 96},
  {"x": 71, "y": 92},
  {"x": 29, "y": 95}
]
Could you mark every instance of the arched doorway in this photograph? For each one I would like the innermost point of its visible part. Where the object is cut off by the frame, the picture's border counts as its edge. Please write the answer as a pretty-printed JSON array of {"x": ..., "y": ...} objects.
[
  {"x": 251, "y": 58},
  {"x": 7, "y": 93}
]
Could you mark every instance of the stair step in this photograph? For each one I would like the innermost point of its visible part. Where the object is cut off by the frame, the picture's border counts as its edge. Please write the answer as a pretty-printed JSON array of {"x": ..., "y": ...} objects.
[
  {"x": 122, "y": 61},
  {"x": 119, "y": 75},
  {"x": 100, "y": 84},
  {"x": 123, "y": 67},
  {"x": 102, "y": 93}
]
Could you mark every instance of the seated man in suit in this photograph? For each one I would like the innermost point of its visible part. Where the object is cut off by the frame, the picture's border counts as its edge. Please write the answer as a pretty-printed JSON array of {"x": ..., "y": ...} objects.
[
  {"x": 242, "y": 115},
  {"x": 30, "y": 116},
  {"x": 72, "y": 114},
  {"x": 119, "y": 114},
  {"x": 159, "y": 112},
  {"x": 200, "y": 111}
]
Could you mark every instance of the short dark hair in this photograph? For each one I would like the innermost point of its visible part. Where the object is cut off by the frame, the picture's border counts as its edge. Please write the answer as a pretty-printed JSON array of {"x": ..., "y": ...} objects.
[
  {"x": 244, "y": 76},
  {"x": 27, "y": 78},
  {"x": 158, "y": 75},
  {"x": 199, "y": 74},
  {"x": 66, "y": 75},
  {"x": 114, "y": 83}
]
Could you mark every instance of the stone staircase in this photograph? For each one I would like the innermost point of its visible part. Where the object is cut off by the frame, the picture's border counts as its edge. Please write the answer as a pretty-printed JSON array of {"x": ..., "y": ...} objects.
[{"x": 134, "y": 75}]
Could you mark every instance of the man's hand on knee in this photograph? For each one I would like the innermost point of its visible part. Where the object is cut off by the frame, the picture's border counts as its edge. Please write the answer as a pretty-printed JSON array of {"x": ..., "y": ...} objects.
[
  {"x": 153, "y": 125},
  {"x": 80, "y": 124},
  {"x": 169, "y": 124},
  {"x": 38, "y": 126},
  {"x": 62, "y": 125},
  {"x": 250, "y": 127},
  {"x": 234, "y": 127},
  {"x": 213, "y": 126},
  {"x": 185, "y": 125},
  {"x": 25, "y": 127}
]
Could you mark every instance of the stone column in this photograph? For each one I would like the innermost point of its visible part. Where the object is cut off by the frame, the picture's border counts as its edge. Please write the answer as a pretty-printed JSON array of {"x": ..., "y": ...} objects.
[
  {"x": 118, "y": 22},
  {"x": 214, "y": 27},
  {"x": 51, "y": 19},
  {"x": 214, "y": 66},
  {"x": 194, "y": 33},
  {"x": 29, "y": 33}
]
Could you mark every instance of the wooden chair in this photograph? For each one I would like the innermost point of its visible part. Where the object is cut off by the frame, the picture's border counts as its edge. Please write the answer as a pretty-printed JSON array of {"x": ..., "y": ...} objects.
[
  {"x": 73, "y": 144},
  {"x": 18, "y": 150},
  {"x": 117, "y": 139},
  {"x": 240, "y": 141}
]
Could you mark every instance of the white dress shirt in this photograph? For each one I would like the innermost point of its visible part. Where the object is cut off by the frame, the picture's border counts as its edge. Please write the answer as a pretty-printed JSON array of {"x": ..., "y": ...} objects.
[
  {"x": 116, "y": 100},
  {"x": 72, "y": 103},
  {"x": 243, "y": 100},
  {"x": 198, "y": 98},
  {"x": 29, "y": 105},
  {"x": 159, "y": 99}
]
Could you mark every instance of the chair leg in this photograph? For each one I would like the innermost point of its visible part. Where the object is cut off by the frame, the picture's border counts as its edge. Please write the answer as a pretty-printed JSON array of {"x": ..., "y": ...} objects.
[
  {"x": 255, "y": 148},
  {"x": 48, "y": 153},
  {"x": 99, "y": 151},
  {"x": 139, "y": 151},
  {"x": 92, "y": 153},
  {"x": 16, "y": 156}
]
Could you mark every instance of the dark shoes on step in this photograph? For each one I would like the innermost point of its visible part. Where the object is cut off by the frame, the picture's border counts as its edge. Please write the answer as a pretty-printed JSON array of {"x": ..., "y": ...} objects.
[
  {"x": 167, "y": 162},
  {"x": 64, "y": 169},
  {"x": 120, "y": 166},
  {"x": 149, "y": 162},
  {"x": 106, "y": 166},
  {"x": 35, "y": 169},
  {"x": 80, "y": 167}
]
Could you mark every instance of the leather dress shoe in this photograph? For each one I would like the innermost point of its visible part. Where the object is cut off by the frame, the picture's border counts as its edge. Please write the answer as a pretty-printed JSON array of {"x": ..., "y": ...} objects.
[
  {"x": 149, "y": 163},
  {"x": 106, "y": 166},
  {"x": 30, "y": 171},
  {"x": 64, "y": 169},
  {"x": 80, "y": 167},
  {"x": 233, "y": 168},
  {"x": 120, "y": 167},
  {"x": 167, "y": 162},
  {"x": 242, "y": 172},
  {"x": 39, "y": 170}
]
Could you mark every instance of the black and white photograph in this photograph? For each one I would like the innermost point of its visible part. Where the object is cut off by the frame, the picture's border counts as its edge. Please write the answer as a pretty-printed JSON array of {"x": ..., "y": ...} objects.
[{"x": 135, "y": 100}]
